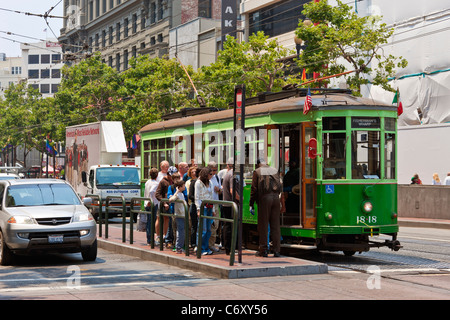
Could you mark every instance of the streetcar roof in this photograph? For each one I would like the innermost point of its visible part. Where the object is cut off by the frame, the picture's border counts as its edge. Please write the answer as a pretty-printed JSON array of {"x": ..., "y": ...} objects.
[{"x": 327, "y": 101}]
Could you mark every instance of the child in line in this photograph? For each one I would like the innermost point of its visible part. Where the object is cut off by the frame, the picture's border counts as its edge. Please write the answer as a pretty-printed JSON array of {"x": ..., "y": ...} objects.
[{"x": 179, "y": 214}]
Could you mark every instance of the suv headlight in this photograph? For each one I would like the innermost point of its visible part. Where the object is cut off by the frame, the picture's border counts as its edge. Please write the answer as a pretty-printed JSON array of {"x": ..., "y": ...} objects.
[
  {"x": 21, "y": 220},
  {"x": 82, "y": 216}
]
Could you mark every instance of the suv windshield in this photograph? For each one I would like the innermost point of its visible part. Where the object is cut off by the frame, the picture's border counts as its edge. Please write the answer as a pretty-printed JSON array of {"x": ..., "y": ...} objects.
[{"x": 40, "y": 195}]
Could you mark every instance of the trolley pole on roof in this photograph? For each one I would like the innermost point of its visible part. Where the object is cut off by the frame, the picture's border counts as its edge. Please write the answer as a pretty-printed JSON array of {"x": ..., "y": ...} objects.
[{"x": 239, "y": 157}]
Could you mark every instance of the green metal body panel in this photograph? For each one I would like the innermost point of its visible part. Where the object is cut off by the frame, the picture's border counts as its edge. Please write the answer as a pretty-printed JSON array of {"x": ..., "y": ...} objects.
[{"x": 345, "y": 206}]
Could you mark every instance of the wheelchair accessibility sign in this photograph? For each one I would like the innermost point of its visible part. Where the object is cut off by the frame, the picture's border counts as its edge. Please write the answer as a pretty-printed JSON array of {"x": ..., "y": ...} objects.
[{"x": 329, "y": 189}]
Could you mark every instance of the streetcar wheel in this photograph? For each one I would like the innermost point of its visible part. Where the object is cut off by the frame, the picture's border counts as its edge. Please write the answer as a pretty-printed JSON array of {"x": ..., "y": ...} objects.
[{"x": 349, "y": 253}]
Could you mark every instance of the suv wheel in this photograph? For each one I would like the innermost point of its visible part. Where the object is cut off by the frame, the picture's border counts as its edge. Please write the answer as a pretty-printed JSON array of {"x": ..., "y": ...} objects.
[
  {"x": 90, "y": 254},
  {"x": 6, "y": 255}
]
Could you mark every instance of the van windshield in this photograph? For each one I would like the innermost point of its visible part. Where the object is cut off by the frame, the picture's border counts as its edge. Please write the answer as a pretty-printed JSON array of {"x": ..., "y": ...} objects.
[{"x": 117, "y": 176}]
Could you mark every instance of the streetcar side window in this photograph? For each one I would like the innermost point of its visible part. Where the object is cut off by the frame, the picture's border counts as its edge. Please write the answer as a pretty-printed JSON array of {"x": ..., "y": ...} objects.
[{"x": 389, "y": 165}]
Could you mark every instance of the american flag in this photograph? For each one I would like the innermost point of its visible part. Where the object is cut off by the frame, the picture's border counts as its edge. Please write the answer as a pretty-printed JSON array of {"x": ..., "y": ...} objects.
[{"x": 308, "y": 102}]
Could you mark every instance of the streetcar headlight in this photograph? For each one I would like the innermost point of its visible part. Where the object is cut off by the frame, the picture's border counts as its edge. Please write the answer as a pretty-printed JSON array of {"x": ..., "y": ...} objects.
[{"x": 367, "y": 206}]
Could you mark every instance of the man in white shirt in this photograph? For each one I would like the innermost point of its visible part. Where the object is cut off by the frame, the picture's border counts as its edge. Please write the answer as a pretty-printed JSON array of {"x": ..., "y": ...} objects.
[{"x": 447, "y": 180}]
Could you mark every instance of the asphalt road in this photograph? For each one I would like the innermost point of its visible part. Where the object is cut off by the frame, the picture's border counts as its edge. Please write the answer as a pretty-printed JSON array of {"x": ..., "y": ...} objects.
[{"x": 420, "y": 271}]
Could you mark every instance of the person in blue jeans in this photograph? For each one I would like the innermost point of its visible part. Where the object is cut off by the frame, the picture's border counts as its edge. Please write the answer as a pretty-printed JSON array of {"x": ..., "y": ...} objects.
[
  {"x": 179, "y": 215},
  {"x": 204, "y": 191}
]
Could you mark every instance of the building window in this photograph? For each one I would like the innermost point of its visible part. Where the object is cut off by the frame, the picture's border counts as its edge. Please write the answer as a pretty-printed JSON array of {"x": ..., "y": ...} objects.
[
  {"x": 134, "y": 23},
  {"x": 45, "y": 88},
  {"x": 56, "y": 73},
  {"x": 45, "y": 58},
  {"x": 33, "y": 74},
  {"x": 125, "y": 28},
  {"x": 103, "y": 38},
  {"x": 110, "y": 35},
  {"x": 277, "y": 19},
  {"x": 142, "y": 20},
  {"x": 160, "y": 10},
  {"x": 45, "y": 74},
  {"x": 117, "y": 31},
  {"x": 160, "y": 37},
  {"x": 111, "y": 4},
  {"x": 204, "y": 8},
  {"x": 104, "y": 6},
  {"x": 125, "y": 60},
  {"x": 118, "y": 62},
  {"x": 16, "y": 70},
  {"x": 35, "y": 86},
  {"x": 110, "y": 61},
  {"x": 33, "y": 59},
  {"x": 153, "y": 12},
  {"x": 55, "y": 87},
  {"x": 97, "y": 8},
  {"x": 56, "y": 58},
  {"x": 91, "y": 10}
]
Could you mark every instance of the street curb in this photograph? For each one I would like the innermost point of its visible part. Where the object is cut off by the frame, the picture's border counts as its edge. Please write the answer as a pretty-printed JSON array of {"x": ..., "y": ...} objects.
[
  {"x": 413, "y": 223},
  {"x": 233, "y": 272}
]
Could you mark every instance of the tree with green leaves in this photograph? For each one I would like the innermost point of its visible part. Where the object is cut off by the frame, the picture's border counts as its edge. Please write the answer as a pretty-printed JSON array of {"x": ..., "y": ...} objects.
[
  {"x": 86, "y": 90},
  {"x": 259, "y": 63},
  {"x": 149, "y": 89},
  {"x": 336, "y": 37}
]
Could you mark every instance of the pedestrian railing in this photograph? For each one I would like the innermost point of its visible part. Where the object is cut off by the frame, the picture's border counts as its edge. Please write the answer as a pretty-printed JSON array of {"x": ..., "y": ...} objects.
[
  {"x": 99, "y": 206},
  {"x": 168, "y": 214},
  {"x": 115, "y": 208},
  {"x": 234, "y": 221}
]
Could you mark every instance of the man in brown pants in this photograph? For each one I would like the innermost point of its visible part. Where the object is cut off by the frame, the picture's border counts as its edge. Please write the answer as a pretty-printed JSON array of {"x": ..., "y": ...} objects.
[{"x": 265, "y": 191}]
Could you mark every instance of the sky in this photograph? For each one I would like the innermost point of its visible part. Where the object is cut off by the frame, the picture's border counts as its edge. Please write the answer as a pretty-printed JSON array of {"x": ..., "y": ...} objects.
[{"x": 27, "y": 25}]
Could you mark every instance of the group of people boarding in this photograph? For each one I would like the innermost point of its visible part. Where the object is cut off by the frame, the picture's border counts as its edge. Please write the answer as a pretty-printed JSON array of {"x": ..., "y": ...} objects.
[
  {"x": 189, "y": 183},
  {"x": 194, "y": 184}
]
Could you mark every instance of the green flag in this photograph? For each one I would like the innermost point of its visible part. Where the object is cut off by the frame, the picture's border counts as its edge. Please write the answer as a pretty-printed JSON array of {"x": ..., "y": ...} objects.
[{"x": 396, "y": 97}]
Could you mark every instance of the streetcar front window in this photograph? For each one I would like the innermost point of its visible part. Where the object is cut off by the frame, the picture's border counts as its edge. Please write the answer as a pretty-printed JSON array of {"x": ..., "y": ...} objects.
[{"x": 365, "y": 154}]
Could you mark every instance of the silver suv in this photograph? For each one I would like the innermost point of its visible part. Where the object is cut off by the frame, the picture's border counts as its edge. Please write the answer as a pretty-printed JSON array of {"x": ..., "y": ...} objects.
[{"x": 38, "y": 215}]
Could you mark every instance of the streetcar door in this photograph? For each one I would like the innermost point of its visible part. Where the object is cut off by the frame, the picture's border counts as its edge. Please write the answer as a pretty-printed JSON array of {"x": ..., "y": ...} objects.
[{"x": 308, "y": 177}]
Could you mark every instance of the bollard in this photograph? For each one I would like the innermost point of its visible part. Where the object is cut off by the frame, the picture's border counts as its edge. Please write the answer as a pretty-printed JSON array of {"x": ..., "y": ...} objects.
[
  {"x": 124, "y": 215},
  {"x": 234, "y": 221}
]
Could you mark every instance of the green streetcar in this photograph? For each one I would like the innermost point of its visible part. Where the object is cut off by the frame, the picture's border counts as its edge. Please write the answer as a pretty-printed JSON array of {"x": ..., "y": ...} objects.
[{"x": 338, "y": 162}]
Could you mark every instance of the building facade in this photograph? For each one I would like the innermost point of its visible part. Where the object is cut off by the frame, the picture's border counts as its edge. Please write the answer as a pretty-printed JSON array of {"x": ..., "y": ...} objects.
[
  {"x": 11, "y": 72},
  {"x": 121, "y": 30},
  {"x": 42, "y": 63}
]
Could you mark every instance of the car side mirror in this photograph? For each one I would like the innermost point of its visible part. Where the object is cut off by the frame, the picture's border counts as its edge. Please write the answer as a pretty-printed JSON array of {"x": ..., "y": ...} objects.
[{"x": 87, "y": 201}]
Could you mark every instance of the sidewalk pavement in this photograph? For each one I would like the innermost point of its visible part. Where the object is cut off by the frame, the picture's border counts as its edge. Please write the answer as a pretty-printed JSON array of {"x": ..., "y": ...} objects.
[
  {"x": 424, "y": 223},
  {"x": 217, "y": 264}
]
